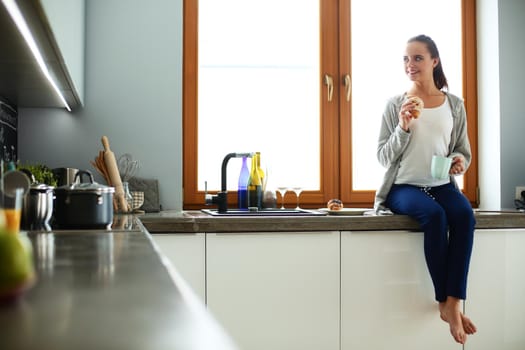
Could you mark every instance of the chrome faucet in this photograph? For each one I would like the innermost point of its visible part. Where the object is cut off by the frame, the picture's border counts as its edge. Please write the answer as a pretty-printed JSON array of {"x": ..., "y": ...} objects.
[{"x": 221, "y": 199}]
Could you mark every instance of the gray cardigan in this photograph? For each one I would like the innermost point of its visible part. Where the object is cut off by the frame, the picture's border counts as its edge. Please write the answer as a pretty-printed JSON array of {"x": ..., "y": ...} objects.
[{"x": 393, "y": 141}]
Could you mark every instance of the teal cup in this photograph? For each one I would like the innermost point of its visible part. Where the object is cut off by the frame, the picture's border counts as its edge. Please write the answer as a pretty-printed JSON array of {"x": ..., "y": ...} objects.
[{"x": 440, "y": 167}]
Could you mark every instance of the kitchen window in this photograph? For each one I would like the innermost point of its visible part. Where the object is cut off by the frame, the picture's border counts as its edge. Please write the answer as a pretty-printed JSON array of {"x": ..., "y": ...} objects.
[{"x": 307, "y": 89}]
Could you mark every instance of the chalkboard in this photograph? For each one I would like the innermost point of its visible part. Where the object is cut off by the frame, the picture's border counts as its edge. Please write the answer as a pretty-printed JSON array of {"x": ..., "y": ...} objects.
[{"x": 8, "y": 131}]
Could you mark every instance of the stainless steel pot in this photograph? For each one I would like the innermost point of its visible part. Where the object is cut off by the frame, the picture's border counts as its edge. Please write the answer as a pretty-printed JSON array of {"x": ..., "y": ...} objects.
[
  {"x": 37, "y": 206},
  {"x": 84, "y": 205}
]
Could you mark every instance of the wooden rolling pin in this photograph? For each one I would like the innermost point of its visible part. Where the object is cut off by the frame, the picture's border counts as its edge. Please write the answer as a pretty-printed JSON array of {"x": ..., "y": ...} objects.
[{"x": 114, "y": 176}]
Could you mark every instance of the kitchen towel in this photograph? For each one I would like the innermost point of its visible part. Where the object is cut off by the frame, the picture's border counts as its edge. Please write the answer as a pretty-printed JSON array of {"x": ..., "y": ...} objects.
[{"x": 150, "y": 187}]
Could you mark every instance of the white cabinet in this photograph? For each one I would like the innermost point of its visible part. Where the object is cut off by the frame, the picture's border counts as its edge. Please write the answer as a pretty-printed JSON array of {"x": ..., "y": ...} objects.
[
  {"x": 185, "y": 252},
  {"x": 276, "y": 290},
  {"x": 496, "y": 291},
  {"x": 387, "y": 297},
  {"x": 58, "y": 29},
  {"x": 67, "y": 21},
  {"x": 350, "y": 290}
]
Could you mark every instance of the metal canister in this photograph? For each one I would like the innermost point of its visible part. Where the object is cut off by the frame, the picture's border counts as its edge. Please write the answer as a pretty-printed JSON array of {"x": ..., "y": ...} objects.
[
  {"x": 65, "y": 176},
  {"x": 37, "y": 206}
]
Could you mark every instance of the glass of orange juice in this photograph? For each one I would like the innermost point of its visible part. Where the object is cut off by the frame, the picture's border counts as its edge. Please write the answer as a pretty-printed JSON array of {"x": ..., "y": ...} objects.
[{"x": 12, "y": 209}]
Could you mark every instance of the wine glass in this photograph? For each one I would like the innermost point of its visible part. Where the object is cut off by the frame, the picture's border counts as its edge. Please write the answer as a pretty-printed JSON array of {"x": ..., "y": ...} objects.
[
  {"x": 297, "y": 191},
  {"x": 282, "y": 191}
]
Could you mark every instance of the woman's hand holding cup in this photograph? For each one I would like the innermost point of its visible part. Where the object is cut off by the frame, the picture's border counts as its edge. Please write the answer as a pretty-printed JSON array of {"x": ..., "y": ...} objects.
[{"x": 458, "y": 165}]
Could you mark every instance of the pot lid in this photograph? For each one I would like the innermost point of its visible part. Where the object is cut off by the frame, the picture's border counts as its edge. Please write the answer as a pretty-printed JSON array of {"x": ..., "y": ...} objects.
[
  {"x": 36, "y": 187},
  {"x": 85, "y": 187},
  {"x": 40, "y": 188}
]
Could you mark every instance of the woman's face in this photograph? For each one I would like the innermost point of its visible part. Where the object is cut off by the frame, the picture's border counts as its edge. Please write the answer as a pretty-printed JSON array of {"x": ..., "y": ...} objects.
[{"x": 418, "y": 63}]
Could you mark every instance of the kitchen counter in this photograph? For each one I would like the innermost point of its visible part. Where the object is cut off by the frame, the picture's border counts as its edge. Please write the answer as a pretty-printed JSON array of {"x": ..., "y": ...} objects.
[
  {"x": 197, "y": 221},
  {"x": 365, "y": 272},
  {"x": 113, "y": 290},
  {"x": 106, "y": 290}
]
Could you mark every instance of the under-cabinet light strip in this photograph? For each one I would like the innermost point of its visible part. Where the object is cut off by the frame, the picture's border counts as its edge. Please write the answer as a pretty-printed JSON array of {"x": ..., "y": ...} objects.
[{"x": 20, "y": 22}]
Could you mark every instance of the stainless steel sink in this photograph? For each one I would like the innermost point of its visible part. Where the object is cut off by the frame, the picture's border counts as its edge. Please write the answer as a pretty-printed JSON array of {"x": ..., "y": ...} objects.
[{"x": 265, "y": 212}]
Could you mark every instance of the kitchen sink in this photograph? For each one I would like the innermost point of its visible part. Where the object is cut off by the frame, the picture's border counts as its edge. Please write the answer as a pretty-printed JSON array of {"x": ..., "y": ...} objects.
[{"x": 265, "y": 212}]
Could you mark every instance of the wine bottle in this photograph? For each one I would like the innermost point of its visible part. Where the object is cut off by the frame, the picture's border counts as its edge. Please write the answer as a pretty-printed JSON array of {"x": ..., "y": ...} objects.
[
  {"x": 242, "y": 188},
  {"x": 262, "y": 175},
  {"x": 255, "y": 185}
]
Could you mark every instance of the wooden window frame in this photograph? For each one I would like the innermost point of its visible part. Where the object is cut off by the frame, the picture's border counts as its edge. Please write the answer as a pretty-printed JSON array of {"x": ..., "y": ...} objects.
[{"x": 336, "y": 156}]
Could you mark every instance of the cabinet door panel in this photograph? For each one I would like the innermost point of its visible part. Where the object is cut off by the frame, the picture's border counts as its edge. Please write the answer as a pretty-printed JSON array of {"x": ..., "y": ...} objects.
[
  {"x": 275, "y": 290},
  {"x": 496, "y": 289},
  {"x": 387, "y": 297},
  {"x": 186, "y": 253}
]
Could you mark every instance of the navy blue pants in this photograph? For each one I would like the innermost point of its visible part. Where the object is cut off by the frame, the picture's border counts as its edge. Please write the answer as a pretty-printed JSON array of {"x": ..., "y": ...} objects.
[{"x": 448, "y": 222}]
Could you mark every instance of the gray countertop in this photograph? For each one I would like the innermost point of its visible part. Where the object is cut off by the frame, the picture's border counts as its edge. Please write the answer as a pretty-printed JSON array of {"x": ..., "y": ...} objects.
[
  {"x": 196, "y": 221},
  {"x": 106, "y": 290},
  {"x": 112, "y": 290}
]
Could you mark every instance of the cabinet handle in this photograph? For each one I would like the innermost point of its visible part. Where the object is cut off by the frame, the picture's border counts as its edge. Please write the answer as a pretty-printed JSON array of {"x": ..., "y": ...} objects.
[
  {"x": 347, "y": 81},
  {"x": 329, "y": 82}
]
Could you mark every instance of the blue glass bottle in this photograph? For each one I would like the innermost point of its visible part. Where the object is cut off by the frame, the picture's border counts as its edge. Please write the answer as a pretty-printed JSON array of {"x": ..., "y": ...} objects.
[{"x": 242, "y": 189}]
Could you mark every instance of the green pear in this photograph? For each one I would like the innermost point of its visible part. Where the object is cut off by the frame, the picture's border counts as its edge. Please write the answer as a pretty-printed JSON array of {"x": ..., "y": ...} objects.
[{"x": 17, "y": 272}]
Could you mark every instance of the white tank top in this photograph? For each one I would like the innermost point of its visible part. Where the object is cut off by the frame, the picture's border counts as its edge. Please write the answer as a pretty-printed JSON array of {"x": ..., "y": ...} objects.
[{"x": 430, "y": 136}]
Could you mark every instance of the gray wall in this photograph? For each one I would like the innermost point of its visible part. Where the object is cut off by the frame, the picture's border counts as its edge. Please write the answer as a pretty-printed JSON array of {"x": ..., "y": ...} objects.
[
  {"x": 501, "y": 123},
  {"x": 512, "y": 81},
  {"x": 489, "y": 127},
  {"x": 133, "y": 94}
]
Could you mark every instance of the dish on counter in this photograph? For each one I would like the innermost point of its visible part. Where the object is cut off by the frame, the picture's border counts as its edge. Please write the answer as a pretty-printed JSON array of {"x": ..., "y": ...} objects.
[{"x": 346, "y": 211}]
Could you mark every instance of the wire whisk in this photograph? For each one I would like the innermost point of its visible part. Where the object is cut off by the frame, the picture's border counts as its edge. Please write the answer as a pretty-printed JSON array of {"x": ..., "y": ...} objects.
[{"x": 127, "y": 166}]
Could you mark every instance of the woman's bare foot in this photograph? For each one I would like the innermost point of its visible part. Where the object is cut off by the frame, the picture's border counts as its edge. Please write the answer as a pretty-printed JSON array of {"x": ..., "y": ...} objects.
[
  {"x": 450, "y": 312},
  {"x": 468, "y": 326}
]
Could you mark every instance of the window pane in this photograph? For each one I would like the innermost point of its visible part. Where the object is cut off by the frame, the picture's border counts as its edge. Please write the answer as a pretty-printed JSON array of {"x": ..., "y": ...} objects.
[
  {"x": 259, "y": 89},
  {"x": 377, "y": 66}
]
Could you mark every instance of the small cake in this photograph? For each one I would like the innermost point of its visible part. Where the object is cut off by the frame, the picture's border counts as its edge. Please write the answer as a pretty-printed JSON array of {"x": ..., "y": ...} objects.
[
  {"x": 418, "y": 106},
  {"x": 335, "y": 204}
]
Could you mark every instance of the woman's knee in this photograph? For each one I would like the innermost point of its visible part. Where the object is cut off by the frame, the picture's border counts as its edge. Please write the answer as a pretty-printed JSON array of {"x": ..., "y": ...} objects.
[
  {"x": 434, "y": 216},
  {"x": 463, "y": 216}
]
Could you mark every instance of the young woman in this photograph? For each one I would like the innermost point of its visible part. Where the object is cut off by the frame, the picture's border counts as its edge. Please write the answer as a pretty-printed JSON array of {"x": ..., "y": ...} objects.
[{"x": 407, "y": 143}]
